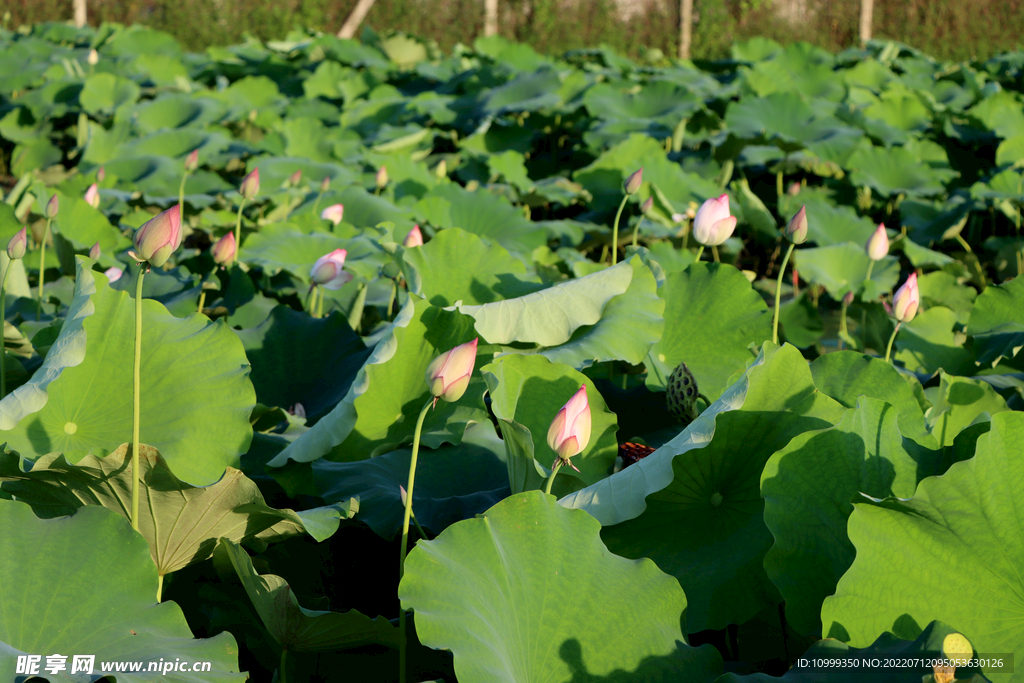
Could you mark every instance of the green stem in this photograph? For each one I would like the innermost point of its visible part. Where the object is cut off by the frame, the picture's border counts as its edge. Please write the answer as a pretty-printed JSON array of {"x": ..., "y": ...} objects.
[
  {"x": 136, "y": 391},
  {"x": 636, "y": 229},
  {"x": 778, "y": 293},
  {"x": 405, "y": 531},
  {"x": 202, "y": 299},
  {"x": 888, "y": 349},
  {"x": 391, "y": 299},
  {"x": 778, "y": 184},
  {"x": 42, "y": 270},
  {"x": 714, "y": 253},
  {"x": 238, "y": 226},
  {"x": 615, "y": 230},
  {"x": 963, "y": 243},
  {"x": 311, "y": 301},
  {"x": 316, "y": 204},
  {"x": 320, "y": 303},
  {"x": 423, "y": 534},
  {"x": 3, "y": 326},
  {"x": 844, "y": 332},
  {"x": 159, "y": 587},
  {"x": 282, "y": 677},
  {"x": 554, "y": 471},
  {"x": 700, "y": 251},
  {"x": 181, "y": 194},
  {"x": 871, "y": 265}
]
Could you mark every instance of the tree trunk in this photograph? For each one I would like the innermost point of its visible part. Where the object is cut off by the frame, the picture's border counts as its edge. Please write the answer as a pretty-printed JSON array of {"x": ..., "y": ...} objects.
[
  {"x": 351, "y": 25},
  {"x": 685, "y": 27},
  {"x": 490, "y": 17},
  {"x": 867, "y": 8},
  {"x": 80, "y": 16}
]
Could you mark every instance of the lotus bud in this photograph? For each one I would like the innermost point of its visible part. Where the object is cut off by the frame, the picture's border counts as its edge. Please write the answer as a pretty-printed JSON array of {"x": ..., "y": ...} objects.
[
  {"x": 250, "y": 186},
  {"x": 402, "y": 494},
  {"x": 52, "y": 207},
  {"x": 634, "y": 181},
  {"x": 328, "y": 271},
  {"x": 18, "y": 245},
  {"x": 92, "y": 196},
  {"x": 93, "y": 58},
  {"x": 382, "y": 177},
  {"x": 113, "y": 274},
  {"x": 94, "y": 253},
  {"x": 441, "y": 170},
  {"x": 906, "y": 300},
  {"x": 713, "y": 224},
  {"x": 647, "y": 205},
  {"x": 325, "y": 184},
  {"x": 448, "y": 374},
  {"x": 569, "y": 433},
  {"x": 159, "y": 237},
  {"x": 414, "y": 238},
  {"x": 848, "y": 298},
  {"x": 298, "y": 410},
  {"x": 101, "y": 175},
  {"x": 878, "y": 246},
  {"x": 796, "y": 230},
  {"x": 192, "y": 161},
  {"x": 224, "y": 250},
  {"x": 295, "y": 178},
  {"x": 334, "y": 213}
]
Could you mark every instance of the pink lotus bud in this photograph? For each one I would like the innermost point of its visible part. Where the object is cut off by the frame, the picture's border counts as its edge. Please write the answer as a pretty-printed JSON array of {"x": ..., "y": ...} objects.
[
  {"x": 192, "y": 161},
  {"x": 298, "y": 410},
  {"x": 448, "y": 374},
  {"x": 414, "y": 238},
  {"x": 325, "y": 184},
  {"x": 569, "y": 433},
  {"x": 52, "y": 207},
  {"x": 878, "y": 246},
  {"x": 634, "y": 181},
  {"x": 382, "y": 177},
  {"x": 796, "y": 230},
  {"x": 647, "y": 205},
  {"x": 92, "y": 196},
  {"x": 848, "y": 298},
  {"x": 906, "y": 300},
  {"x": 250, "y": 186},
  {"x": 100, "y": 175},
  {"x": 113, "y": 274},
  {"x": 94, "y": 58},
  {"x": 794, "y": 189},
  {"x": 224, "y": 250},
  {"x": 94, "y": 253},
  {"x": 18, "y": 245},
  {"x": 713, "y": 224},
  {"x": 328, "y": 271},
  {"x": 159, "y": 237},
  {"x": 295, "y": 178},
  {"x": 402, "y": 494},
  {"x": 334, "y": 213}
]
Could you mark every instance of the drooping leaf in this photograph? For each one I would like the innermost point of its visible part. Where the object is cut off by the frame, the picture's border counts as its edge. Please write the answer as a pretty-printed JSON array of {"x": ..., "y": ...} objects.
[{"x": 997, "y": 322}]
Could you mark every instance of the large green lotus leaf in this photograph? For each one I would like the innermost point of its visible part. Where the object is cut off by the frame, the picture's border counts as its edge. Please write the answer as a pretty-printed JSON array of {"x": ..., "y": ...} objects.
[
  {"x": 177, "y": 144},
  {"x": 299, "y": 359},
  {"x": 928, "y": 344},
  {"x": 795, "y": 75},
  {"x": 274, "y": 171},
  {"x": 782, "y": 118},
  {"x": 1011, "y": 151},
  {"x": 997, "y": 322},
  {"x": 848, "y": 375},
  {"x": 694, "y": 505},
  {"x": 299, "y": 629},
  {"x": 895, "y": 171},
  {"x": 900, "y": 108},
  {"x": 365, "y": 210},
  {"x": 460, "y": 266},
  {"x": 959, "y": 402},
  {"x": 452, "y": 482},
  {"x": 524, "y": 593},
  {"x": 282, "y": 247},
  {"x": 490, "y": 217},
  {"x": 38, "y": 154},
  {"x": 842, "y": 268},
  {"x": 59, "y": 607},
  {"x": 959, "y": 559},
  {"x": 177, "y": 111},
  {"x": 943, "y": 289},
  {"x": 658, "y": 101},
  {"x": 84, "y": 226},
  {"x": 551, "y": 316},
  {"x": 838, "y": 659},
  {"x": 630, "y": 323},
  {"x": 527, "y": 391},
  {"x": 180, "y": 522},
  {"x": 83, "y": 407},
  {"x": 526, "y": 92},
  {"x": 105, "y": 92},
  {"x": 1001, "y": 113},
  {"x": 828, "y": 224},
  {"x": 807, "y": 488},
  {"x": 379, "y": 412},
  {"x": 712, "y": 315}
]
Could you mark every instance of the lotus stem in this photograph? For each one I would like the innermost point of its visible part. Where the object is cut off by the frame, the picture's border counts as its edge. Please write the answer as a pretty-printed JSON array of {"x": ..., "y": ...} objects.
[
  {"x": 405, "y": 531},
  {"x": 554, "y": 471},
  {"x": 238, "y": 226},
  {"x": 888, "y": 349},
  {"x": 159, "y": 587},
  {"x": 615, "y": 230},
  {"x": 714, "y": 253},
  {"x": 636, "y": 229},
  {"x": 844, "y": 332},
  {"x": 311, "y": 301},
  {"x": 3, "y": 326},
  {"x": 959, "y": 238},
  {"x": 202, "y": 299},
  {"x": 778, "y": 293},
  {"x": 320, "y": 303},
  {"x": 42, "y": 270},
  {"x": 136, "y": 392},
  {"x": 423, "y": 534},
  {"x": 871, "y": 266},
  {"x": 281, "y": 675},
  {"x": 181, "y": 195},
  {"x": 391, "y": 299},
  {"x": 700, "y": 252}
]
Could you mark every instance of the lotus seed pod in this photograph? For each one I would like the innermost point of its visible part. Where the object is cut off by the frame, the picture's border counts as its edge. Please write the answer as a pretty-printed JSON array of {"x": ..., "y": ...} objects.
[{"x": 681, "y": 394}]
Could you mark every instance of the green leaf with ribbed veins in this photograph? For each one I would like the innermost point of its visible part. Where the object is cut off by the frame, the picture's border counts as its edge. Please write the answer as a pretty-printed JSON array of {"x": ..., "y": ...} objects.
[{"x": 997, "y": 322}]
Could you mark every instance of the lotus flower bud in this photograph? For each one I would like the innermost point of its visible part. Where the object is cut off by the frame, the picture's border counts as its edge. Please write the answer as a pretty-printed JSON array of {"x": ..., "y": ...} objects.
[
  {"x": 713, "y": 224},
  {"x": 441, "y": 170},
  {"x": 101, "y": 175},
  {"x": 328, "y": 271},
  {"x": 414, "y": 238},
  {"x": 569, "y": 433},
  {"x": 298, "y": 410},
  {"x": 92, "y": 196},
  {"x": 906, "y": 300},
  {"x": 634, "y": 181},
  {"x": 382, "y": 177},
  {"x": 848, "y": 298},
  {"x": 647, "y": 205},
  {"x": 325, "y": 184},
  {"x": 250, "y": 186},
  {"x": 402, "y": 494},
  {"x": 52, "y": 207},
  {"x": 113, "y": 274},
  {"x": 94, "y": 253},
  {"x": 18, "y": 244},
  {"x": 295, "y": 178},
  {"x": 334, "y": 213},
  {"x": 159, "y": 237},
  {"x": 192, "y": 161},
  {"x": 796, "y": 230},
  {"x": 878, "y": 246},
  {"x": 224, "y": 250},
  {"x": 94, "y": 58},
  {"x": 448, "y": 374}
]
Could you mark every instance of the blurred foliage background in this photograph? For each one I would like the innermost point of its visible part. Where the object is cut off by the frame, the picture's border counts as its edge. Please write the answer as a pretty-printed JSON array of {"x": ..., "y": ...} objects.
[{"x": 947, "y": 29}]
